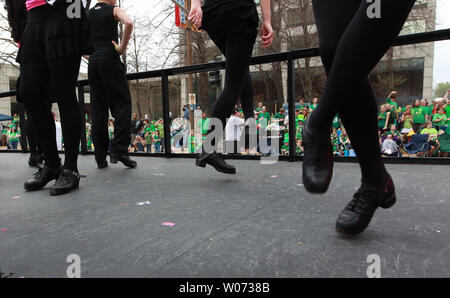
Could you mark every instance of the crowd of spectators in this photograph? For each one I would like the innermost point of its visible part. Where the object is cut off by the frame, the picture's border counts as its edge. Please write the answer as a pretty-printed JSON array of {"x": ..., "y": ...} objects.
[{"x": 422, "y": 124}]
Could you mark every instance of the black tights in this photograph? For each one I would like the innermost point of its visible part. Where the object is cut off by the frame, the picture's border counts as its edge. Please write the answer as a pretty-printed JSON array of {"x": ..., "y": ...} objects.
[
  {"x": 62, "y": 76},
  {"x": 351, "y": 44},
  {"x": 238, "y": 84}
]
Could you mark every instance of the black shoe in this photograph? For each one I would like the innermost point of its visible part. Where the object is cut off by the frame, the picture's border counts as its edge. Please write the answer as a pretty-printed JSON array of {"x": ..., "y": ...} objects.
[
  {"x": 215, "y": 160},
  {"x": 125, "y": 159},
  {"x": 41, "y": 178},
  {"x": 317, "y": 161},
  {"x": 356, "y": 216},
  {"x": 33, "y": 161},
  {"x": 103, "y": 164},
  {"x": 67, "y": 181}
]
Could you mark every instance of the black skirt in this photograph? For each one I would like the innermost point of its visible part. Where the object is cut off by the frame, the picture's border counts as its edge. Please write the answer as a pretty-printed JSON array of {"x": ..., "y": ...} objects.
[
  {"x": 230, "y": 17},
  {"x": 50, "y": 35}
]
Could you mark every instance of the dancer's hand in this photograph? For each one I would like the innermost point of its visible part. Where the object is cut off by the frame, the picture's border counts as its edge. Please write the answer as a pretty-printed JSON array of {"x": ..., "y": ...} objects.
[
  {"x": 196, "y": 13},
  {"x": 119, "y": 48},
  {"x": 266, "y": 34}
]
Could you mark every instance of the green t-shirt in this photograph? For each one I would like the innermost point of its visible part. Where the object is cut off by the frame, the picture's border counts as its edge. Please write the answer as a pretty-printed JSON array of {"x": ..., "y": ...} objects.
[
  {"x": 419, "y": 114},
  {"x": 382, "y": 119},
  {"x": 312, "y": 107},
  {"x": 408, "y": 123},
  {"x": 392, "y": 103},
  {"x": 447, "y": 113},
  {"x": 160, "y": 128},
  {"x": 264, "y": 115},
  {"x": 280, "y": 116},
  {"x": 204, "y": 125},
  {"x": 285, "y": 147},
  {"x": 442, "y": 118},
  {"x": 14, "y": 136},
  {"x": 157, "y": 139},
  {"x": 429, "y": 131}
]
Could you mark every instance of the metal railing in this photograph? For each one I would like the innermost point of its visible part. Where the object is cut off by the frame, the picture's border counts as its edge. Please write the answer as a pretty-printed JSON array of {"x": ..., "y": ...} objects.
[{"x": 288, "y": 57}]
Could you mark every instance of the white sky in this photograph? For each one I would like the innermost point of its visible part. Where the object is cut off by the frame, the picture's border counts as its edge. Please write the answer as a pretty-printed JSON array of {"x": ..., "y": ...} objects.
[{"x": 151, "y": 8}]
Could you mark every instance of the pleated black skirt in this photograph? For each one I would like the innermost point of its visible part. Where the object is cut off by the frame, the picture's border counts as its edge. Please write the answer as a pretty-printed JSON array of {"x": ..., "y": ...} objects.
[
  {"x": 230, "y": 17},
  {"x": 50, "y": 35}
]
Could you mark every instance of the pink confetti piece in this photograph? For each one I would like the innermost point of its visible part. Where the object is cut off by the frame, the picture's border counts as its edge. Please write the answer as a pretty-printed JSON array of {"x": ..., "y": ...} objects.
[
  {"x": 3, "y": 230},
  {"x": 21, "y": 276},
  {"x": 168, "y": 224},
  {"x": 16, "y": 197},
  {"x": 274, "y": 176}
]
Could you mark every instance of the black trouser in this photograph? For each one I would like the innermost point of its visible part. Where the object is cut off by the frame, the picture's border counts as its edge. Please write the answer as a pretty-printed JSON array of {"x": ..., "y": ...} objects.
[
  {"x": 238, "y": 84},
  {"x": 109, "y": 90},
  {"x": 351, "y": 44},
  {"x": 62, "y": 76}
]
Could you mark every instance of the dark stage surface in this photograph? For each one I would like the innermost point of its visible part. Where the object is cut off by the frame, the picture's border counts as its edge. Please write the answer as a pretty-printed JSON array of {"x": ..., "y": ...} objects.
[{"x": 258, "y": 223}]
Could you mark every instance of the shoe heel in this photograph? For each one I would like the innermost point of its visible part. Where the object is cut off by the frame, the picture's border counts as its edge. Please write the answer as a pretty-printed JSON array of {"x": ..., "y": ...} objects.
[{"x": 389, "y": 202}]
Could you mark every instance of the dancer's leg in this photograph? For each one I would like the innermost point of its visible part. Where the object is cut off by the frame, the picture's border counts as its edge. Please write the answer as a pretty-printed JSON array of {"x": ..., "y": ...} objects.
[
  {"x": 100, "y": 113},
  {"x": 238, "y": 50},
  {"x": 119, "y": 98},
  {"x": 63, "y": 79},
  {"x": 332, "y": 20},
  {"x": 33, "y": 91},
  {"x": 362, "y": 45}
]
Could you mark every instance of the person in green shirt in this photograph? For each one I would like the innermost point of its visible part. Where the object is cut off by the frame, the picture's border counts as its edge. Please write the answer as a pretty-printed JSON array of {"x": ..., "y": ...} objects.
[
  {"x": 314, "y": 104},
  {"x": 447, "y": 110},
  {"x": 13, "y": 138},
  {"x": 280, "y": 116},
  {"x": 407, "y": 119},
  {"x": 393, "y": 116},
  {"x": 264, "y": 114},
  {"x": 439, "y": 119},
  {"x": 382, "y": 119},
  {"x": 285, "y": 147},
  {"x": 392, "y": 99},
  {"x": 419, "y": 114},
  {"x": 157, "y": 141},
  {"x": 429, "y": 130},
  {"x": 203, "y": 124}
]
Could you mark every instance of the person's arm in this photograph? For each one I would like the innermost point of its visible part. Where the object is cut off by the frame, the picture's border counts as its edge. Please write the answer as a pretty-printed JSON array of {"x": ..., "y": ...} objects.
[
  {"x": 196, "y": 13},
  {"x": 121, "y": 16},
  {"x": 446, "y": 95},
  {"x": 266, "y": 29},
  {"x": 388, "y": 115}
]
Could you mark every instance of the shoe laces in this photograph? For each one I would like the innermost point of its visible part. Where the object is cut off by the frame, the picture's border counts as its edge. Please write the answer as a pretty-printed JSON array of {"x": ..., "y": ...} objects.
[
  {"x": 65, "y": 179},
  {"x": 360, "y": 200},
  {"x": 38, "y": 174}
]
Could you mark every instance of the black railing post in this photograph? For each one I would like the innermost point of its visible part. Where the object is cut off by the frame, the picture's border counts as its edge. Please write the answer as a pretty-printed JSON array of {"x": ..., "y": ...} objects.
[
  {"x": 166, "y": 118},
  {"x": 291, "y": 106},
  {"x": 83, "y": 117}
]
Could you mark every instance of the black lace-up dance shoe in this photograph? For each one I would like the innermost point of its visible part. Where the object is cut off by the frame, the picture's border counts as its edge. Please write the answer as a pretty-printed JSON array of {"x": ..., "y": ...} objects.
[
  {"x": 67, "y": 181},
  {"x": 125, "y": 159},
  {"x": 356, "y": 216},
  {"x": 41, "y": 178},
  {"x": 215, "y": 160}
]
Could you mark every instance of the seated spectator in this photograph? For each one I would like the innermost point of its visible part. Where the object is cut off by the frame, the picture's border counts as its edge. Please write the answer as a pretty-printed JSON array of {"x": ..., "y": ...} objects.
[
  {"x": 389, "y": 146},
  {"x": 440, "y": 120}
]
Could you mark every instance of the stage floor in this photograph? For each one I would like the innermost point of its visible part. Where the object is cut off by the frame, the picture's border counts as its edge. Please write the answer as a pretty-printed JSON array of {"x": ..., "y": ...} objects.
[{"x": 258, "y": 223}]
